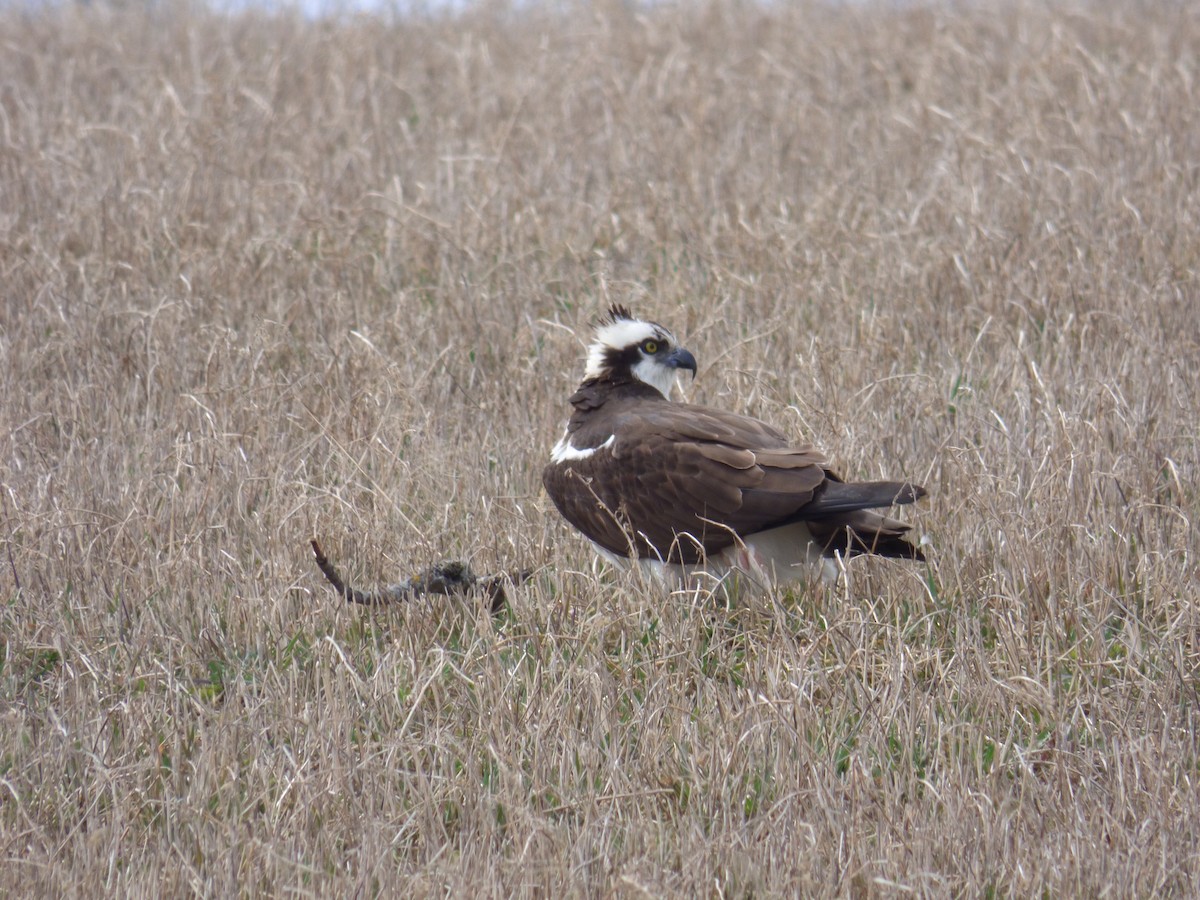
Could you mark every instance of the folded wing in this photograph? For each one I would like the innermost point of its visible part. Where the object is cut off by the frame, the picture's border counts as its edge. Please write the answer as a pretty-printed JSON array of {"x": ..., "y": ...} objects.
[{"x": 683, "y": 482}]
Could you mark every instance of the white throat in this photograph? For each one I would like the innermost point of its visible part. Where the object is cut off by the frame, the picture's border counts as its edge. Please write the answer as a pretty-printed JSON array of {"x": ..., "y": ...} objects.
[{"x": 655, "y": 374}]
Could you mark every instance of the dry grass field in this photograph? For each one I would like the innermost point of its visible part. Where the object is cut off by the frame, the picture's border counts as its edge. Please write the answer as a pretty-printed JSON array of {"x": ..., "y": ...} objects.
[{"x": 266, "y": 279}]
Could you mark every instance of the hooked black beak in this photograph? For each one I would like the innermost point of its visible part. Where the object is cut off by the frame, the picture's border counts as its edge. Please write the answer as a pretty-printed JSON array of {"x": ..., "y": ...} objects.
[{"x": 681, "y": 359}]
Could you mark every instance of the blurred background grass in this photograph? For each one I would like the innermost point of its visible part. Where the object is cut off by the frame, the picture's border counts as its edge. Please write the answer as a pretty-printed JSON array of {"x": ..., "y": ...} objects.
[{"x": 267, "y": 278}]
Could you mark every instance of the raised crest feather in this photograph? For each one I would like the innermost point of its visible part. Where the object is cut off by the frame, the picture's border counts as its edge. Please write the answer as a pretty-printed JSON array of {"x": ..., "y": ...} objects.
[{"x": 618, "y": 312}]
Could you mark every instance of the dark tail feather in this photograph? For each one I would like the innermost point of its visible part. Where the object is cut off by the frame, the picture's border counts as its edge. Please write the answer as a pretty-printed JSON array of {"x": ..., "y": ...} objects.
[
  {"x": 836, "y": 497},
  {"x": 852, "y": 544},
  {"x": 864, "y": 532}
]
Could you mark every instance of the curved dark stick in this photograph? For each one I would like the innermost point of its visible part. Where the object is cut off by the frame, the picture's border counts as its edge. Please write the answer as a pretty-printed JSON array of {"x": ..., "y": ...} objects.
[
  {"x": 448, "y": 578},
  {"x": 331, "y": 575}
]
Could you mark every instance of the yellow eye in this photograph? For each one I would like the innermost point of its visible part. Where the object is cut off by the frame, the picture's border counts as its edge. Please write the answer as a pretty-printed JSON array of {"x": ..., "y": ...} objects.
[{"x": 650, "y": 346}]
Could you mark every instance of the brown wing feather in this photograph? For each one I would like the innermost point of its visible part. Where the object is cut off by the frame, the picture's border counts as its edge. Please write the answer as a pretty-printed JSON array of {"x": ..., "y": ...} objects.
[
  {"x": 685, "y": 421},
  {"x": 676, "y": 469}
]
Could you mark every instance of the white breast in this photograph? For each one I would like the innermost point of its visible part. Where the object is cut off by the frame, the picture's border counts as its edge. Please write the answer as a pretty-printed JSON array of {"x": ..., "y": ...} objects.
[{"x": 767, "y": 559}]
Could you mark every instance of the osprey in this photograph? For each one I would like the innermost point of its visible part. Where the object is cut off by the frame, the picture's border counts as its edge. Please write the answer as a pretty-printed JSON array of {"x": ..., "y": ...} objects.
[{"x": 682, "y": 485}]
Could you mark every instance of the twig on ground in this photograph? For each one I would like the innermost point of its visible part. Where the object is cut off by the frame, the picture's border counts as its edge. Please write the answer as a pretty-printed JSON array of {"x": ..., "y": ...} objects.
[{"x": 452, "y": 577}]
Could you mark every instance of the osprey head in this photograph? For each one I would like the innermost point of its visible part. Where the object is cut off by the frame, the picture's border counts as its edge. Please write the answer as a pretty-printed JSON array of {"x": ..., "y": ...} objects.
[{"x": 625, "y": 347}]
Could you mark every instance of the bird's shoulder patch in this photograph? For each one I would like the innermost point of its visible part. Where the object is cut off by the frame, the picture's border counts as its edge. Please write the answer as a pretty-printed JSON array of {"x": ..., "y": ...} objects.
[{"x": 589, "y": 396}]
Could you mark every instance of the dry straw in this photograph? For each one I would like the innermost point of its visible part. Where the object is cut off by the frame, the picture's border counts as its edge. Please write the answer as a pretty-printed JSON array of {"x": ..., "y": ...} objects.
[{"x": 267, "y": 279}]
